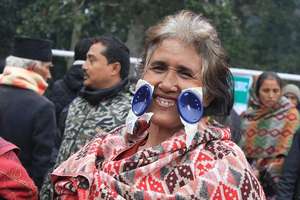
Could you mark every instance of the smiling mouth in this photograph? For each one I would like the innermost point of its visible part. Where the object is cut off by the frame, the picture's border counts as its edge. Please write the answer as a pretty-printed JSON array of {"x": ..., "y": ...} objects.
[{"x": 163, "y": 102}]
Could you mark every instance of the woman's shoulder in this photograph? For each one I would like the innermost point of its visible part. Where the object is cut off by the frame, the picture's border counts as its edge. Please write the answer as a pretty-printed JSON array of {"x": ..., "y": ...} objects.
[
  {"x": 103, "y": 146},
  {"x": 220, "y": 145},
  {"x": 223, "y": 163},
  {"x": 6, "y": 146},
  {"x": 216, "y": 140}
]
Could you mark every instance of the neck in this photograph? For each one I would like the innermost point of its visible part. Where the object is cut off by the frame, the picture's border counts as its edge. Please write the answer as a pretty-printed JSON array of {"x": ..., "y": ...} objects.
[
  {"x": 158, "y": 134},
  {"x": 113, "y": 82}
]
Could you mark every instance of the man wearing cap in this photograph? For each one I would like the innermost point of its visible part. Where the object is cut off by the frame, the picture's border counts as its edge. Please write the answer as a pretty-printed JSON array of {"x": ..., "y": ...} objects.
[{"x": 27, "y": 119}]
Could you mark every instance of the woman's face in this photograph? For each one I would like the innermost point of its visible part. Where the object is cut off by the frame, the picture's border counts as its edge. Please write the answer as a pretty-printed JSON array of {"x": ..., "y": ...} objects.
[
  {"x": 269, "y": 92},
  {"x": 174, "y": 66}
]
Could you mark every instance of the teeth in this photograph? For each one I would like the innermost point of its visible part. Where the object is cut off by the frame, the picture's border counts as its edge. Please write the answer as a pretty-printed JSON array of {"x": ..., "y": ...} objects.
[{"x": 165, "y": 102}]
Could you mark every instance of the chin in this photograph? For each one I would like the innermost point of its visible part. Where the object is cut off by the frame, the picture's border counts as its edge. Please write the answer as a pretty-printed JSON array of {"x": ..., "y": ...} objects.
[
  {"x": 86, "y": 83},
  {"x": 165, "y": 121}
]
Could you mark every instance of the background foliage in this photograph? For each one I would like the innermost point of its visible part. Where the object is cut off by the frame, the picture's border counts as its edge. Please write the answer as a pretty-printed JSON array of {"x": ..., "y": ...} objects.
[{"x": 257, "y": 34}]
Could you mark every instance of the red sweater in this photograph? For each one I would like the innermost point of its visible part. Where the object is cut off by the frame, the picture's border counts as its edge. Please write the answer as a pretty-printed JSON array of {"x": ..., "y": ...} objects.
[{"x": 14, "y": 180}]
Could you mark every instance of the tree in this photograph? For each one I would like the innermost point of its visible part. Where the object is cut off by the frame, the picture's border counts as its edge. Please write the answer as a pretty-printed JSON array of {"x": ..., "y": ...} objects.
[{"x": 256, "y": 34}]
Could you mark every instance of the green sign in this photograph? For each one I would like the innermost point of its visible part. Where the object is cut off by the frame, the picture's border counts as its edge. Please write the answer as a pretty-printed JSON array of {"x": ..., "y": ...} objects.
[{"x": 242, "y": 85}]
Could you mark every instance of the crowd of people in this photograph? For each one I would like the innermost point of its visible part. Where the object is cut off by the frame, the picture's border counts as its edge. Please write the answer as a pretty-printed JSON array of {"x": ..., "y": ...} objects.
[{"x": 175, "y": 136}]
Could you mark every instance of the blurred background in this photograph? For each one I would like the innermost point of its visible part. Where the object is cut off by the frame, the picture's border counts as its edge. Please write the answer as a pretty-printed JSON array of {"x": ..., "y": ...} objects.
[{"x": 257, "y": 34}]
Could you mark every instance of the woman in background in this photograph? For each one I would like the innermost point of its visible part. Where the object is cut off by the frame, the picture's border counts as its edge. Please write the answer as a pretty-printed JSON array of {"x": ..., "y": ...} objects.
[{"x": 268, "y": 127}]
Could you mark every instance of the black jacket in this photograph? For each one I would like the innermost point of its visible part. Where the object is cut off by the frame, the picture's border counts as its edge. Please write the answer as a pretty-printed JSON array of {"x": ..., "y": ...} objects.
[
  {"x": 64, "y": 91},
  {"x": 288, "y": 186},
  {"x": 28, "y": 121}
]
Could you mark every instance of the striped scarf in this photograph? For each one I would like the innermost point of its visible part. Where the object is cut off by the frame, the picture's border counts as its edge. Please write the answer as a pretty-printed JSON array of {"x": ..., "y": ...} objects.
[{"x": 23, "y": 78}]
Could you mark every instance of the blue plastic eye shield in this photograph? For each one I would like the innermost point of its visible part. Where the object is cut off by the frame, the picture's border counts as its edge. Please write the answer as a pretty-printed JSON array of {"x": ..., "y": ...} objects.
[
  {"x": 141, "y": 100},
  {"x": 189, "y": 104}
]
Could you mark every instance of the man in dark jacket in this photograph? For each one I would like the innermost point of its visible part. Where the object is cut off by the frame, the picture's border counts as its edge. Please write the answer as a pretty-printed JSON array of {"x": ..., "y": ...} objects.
[
  {"x": 27, "y": 119},
  {"x": 289, "y": 182},
  {"x": 2, "y": 64},
  {"x": 65, "y": 90}
]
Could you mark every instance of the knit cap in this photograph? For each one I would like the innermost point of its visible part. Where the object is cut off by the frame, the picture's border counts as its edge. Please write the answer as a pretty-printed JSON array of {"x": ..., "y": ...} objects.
[
  {"x": 293, "y": 89},
  {"x": 30, "y": 48}
]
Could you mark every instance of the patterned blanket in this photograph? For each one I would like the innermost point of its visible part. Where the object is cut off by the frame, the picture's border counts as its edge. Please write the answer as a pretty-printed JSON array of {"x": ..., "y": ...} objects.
[{"x": 112, "y": 167}]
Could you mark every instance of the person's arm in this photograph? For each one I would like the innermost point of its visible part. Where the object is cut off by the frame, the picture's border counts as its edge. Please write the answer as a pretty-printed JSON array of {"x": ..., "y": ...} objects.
[
  {"x": 62, "y": 121},
  {"x": 43, "y": 139},
  {"x": 291, "y": 170},
  {"x": 15, "y": 184}
]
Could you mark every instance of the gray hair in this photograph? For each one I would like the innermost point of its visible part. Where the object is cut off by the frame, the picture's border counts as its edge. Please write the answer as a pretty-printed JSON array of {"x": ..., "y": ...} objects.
[
  {"x": 196, "y": 30},
  {"x": 14, "y": 61}
]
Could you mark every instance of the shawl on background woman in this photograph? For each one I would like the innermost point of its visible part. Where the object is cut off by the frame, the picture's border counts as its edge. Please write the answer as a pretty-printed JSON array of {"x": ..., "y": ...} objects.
[
  {"x": 268, "y": 132},
  {"x": 112, "y": 167},
  {"x": 267, "y": 136}
]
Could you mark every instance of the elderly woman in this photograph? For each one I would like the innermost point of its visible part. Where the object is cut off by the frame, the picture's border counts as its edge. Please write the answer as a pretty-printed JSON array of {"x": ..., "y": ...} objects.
[
  {"x": 268, "y": 128},
  {"x": 157, "y": 161}
]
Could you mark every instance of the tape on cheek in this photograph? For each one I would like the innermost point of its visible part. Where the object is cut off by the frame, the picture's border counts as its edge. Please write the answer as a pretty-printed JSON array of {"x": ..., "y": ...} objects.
[
  {"x": 140, "y": 104},
  {"x": 190, "y": 107}
]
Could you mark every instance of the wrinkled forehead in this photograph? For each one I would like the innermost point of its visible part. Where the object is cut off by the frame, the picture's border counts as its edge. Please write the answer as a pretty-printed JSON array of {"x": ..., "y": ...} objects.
[{"x": 153, "y": 46}]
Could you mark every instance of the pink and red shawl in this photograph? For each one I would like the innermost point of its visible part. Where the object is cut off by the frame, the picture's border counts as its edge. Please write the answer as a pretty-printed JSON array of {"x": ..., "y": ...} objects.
[
  {"x": 213, "y": 167},
  {"x": 15, "y": 184}
]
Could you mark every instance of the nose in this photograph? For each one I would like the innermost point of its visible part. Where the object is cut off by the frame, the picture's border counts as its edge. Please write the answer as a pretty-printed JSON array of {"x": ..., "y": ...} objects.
[
  {"x": 169, "y": 82},
  {"x": 271, "y": 94}
]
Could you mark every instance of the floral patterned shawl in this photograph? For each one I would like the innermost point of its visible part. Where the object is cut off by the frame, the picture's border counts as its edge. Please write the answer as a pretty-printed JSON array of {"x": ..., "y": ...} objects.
[{"x": 213, "y": 167}]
